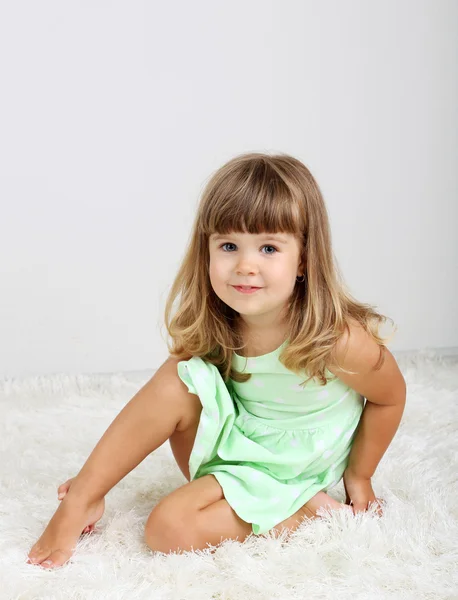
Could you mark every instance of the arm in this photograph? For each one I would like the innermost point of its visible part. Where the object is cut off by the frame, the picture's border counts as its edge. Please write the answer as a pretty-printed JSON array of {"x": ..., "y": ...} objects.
[
  {"x": 376, "y": 429},
  {"x": 385, "y": 391}
]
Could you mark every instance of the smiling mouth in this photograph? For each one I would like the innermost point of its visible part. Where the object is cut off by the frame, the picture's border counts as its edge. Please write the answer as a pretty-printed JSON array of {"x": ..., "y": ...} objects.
[{"x": 246, "y": 289}]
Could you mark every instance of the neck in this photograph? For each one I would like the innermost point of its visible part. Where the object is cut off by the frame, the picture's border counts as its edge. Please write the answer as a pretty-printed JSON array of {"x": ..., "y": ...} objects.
[{"x": 261, "y": 341}]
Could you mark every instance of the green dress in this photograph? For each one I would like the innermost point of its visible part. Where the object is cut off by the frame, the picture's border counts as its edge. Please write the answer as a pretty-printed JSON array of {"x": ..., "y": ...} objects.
[{"x": 271, "y": 443}]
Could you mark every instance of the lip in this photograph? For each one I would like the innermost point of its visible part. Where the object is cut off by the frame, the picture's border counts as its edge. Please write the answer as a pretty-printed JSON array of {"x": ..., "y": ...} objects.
[{"x": 242, "y": 291}]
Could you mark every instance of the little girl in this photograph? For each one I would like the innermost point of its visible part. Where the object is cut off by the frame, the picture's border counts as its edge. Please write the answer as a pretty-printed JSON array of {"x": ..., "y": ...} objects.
[{"x": 263, "y": 395}]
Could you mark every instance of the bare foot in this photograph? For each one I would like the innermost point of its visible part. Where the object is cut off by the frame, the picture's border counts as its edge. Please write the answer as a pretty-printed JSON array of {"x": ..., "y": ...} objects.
[
  {"x": 58, "y": 541},
  {"x": 62, "y": 491},
  {"x": 322, "y": 501}
]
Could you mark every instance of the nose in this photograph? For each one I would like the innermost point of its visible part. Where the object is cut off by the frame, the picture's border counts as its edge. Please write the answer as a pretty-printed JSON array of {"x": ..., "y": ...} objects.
[{"x": 246, "y": 268}]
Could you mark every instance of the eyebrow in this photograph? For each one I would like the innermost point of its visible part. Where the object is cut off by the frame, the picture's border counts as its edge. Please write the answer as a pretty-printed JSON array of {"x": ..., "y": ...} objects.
[{"x": 271, "y": 236}]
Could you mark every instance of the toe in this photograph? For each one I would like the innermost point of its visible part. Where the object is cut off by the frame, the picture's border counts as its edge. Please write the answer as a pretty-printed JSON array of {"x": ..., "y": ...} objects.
[
  {"x": 38, "y": 554},
  {"x": 56, "y": 559},
  {"x": 47, "y": 558}
]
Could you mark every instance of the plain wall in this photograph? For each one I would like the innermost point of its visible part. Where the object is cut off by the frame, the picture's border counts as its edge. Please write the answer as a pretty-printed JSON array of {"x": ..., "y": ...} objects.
[{"x": 115, "y": 114}]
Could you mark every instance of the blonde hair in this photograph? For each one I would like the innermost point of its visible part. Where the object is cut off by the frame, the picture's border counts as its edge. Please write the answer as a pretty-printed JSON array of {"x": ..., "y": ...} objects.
[{"x": 258, "y": 193}]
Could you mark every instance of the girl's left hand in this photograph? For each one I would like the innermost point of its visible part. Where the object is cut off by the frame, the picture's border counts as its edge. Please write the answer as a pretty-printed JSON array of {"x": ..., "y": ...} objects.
[{"x": 359, "y": 493}]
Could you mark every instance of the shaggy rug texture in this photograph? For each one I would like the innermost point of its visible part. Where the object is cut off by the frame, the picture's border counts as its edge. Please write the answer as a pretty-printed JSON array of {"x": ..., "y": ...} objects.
[{"x": 50, "y": 424}]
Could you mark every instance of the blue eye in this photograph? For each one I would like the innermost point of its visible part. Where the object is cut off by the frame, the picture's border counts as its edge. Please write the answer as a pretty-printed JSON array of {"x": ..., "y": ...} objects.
[{"x": 265, "y": 246}]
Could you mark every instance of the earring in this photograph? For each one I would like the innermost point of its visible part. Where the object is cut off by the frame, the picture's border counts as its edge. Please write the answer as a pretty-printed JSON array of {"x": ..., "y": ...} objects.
[{"x": 300, "y": 280}]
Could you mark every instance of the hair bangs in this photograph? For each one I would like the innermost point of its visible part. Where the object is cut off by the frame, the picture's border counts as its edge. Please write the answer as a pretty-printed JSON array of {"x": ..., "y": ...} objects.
[{"x": 261, "y": 204}]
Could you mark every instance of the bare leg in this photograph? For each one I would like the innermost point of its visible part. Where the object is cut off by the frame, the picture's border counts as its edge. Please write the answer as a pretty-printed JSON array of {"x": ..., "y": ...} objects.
[
  {"x": 143, "y": 425},
  {"x": 197, "y": 514},
  {"x": 219, "y": 522}
]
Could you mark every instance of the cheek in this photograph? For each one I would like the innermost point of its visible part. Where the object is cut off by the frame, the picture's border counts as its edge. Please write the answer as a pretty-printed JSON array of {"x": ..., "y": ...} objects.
[
  {"x": 281, "y": 271},
  {"x": 216, "y": 273}
]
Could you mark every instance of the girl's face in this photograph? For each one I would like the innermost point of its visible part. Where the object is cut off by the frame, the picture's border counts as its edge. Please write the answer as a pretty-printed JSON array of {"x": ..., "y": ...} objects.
[{"x": 270, "y": 262}]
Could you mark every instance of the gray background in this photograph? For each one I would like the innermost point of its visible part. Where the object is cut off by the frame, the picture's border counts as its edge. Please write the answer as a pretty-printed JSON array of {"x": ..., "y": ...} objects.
[{"x": 113, "y": 115}]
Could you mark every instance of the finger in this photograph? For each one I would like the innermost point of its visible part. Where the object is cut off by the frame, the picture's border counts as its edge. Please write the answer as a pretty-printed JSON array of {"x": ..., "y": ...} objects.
[
  {"x": 358, "y": 507},
  {"x": 63, "y": 489},
  {"x": 377, "y": 504},
  {"x": 64, "y": 486}
]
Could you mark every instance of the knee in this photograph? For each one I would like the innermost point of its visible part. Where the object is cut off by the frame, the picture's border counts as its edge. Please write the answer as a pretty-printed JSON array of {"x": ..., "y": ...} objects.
[{"x": 164, "y": 530}]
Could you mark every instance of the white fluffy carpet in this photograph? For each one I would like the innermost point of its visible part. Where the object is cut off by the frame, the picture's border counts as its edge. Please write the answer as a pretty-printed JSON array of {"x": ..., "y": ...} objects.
[{"x": 50, "y": 424}]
